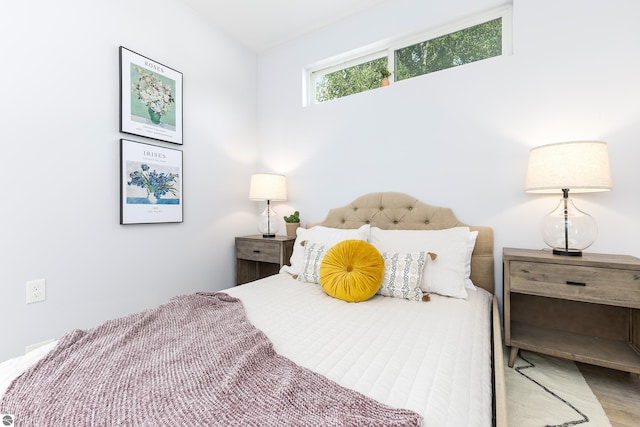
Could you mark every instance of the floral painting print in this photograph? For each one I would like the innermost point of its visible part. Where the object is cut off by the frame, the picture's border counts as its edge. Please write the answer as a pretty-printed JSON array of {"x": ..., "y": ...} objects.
[
  {"x": 152, "y": 184},
  {"x": 152, "y": 97}
]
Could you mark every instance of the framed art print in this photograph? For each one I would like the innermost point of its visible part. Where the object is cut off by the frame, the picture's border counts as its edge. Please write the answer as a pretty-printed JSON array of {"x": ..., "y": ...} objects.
[
  {"x": 150, "y": 183},
  {"x": 150, "y": 98}
]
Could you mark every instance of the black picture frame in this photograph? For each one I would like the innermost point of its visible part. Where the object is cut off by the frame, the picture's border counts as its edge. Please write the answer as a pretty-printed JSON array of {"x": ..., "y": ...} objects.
[
  {"x": 150, "y": 184},
  {"x": 150, "y": 98}
]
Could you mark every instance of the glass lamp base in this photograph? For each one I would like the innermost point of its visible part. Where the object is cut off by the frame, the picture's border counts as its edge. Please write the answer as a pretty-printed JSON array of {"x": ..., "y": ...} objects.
[
  {"x": 568, "y": 230},
  {"x": 268, "y": 222}
]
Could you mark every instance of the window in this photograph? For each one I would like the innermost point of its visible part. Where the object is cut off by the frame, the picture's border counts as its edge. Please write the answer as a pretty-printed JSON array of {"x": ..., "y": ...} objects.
[
  {"x": 348, "y": 80},
  {"x": 461, "y": 47},
  {"x": 479, "y": 38}
]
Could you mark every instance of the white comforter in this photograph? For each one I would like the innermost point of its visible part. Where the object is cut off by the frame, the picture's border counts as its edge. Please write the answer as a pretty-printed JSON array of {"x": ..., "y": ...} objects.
[{"x": 432, "y": 357}]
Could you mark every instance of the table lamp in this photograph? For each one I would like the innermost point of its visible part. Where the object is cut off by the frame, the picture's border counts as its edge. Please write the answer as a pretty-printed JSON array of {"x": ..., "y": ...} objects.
[
  {"x": 579, "y": 166},
  {"x": 268, "y": 187}
]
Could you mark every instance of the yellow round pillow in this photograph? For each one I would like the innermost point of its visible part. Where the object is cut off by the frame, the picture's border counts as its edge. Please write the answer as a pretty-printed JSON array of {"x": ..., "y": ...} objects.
[{"x": 352, "y": 271}]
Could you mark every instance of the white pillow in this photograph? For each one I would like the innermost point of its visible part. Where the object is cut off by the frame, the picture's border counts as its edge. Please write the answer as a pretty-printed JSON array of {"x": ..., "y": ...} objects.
[
  {"x": 402, "y": 275},
  {"x": 444, "y": 275},
  {"x": 323, "y": 235},
  {"x": 313, "y": 255},
  {"x": 473, "y": 235}
]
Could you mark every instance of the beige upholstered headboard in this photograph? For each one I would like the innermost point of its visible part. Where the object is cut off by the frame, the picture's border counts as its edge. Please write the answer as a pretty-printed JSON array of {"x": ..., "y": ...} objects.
[{"x": 398, "y": 211}]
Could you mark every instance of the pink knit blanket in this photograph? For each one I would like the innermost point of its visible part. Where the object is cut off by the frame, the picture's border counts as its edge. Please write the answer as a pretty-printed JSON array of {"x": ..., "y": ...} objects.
[{"x": 194, "y": 361}]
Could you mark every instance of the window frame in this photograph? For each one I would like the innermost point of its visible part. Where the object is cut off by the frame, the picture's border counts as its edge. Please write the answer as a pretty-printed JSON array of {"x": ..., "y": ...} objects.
[{"x": 389, "y": 47}]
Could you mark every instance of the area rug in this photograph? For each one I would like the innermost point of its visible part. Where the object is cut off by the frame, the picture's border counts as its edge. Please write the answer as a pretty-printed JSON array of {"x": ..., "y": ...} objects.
[{"x": 548, "y": 391}]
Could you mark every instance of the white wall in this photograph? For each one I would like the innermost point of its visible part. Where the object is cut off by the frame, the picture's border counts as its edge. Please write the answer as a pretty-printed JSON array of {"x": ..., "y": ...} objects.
[
  {"x": 59, "y": 215},
  {"x": 460, "y": 138}
]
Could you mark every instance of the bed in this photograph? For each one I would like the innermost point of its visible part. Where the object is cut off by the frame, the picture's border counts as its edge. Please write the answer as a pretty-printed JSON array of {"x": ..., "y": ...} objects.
[{"x": 384, "y": 361}]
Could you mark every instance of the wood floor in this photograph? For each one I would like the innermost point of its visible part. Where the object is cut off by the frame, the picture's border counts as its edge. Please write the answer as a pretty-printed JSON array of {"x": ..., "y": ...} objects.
[{"x": 618, "y": 392}]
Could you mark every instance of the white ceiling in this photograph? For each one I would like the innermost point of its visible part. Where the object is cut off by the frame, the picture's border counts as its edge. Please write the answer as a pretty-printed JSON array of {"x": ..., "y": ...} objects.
[{"x": 262, "y": 24}]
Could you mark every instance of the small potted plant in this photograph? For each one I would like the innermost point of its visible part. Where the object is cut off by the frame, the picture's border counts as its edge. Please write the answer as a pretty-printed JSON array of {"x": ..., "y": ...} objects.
[
  {"x": 292, "y": 222},
  {"x": 385, "y": 73}
]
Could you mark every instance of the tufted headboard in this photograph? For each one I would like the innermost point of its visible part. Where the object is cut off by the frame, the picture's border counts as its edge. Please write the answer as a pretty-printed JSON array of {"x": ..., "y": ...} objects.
[{"x": 398, "y": 211}]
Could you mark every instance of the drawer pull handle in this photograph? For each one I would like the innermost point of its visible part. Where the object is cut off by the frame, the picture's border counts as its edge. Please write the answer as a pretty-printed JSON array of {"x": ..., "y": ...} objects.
[
  {"x": 256, "y": 251},
  {"x": 569, "y": 282}
]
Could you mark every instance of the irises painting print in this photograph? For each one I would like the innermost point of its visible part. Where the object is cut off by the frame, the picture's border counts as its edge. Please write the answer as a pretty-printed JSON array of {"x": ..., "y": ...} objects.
[
  {"x": 150, "y": 183},
  {"x": 154, "y": 186}
]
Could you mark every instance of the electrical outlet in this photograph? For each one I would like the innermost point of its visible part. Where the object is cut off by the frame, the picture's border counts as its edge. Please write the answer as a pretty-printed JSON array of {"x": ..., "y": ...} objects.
[{"x": 36, "y": 291}]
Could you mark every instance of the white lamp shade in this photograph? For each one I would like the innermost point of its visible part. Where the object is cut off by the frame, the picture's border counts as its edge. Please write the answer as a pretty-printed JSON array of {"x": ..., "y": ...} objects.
[
  {"x": 580, "y": 166},
  {"x": 268, "y": 187}
]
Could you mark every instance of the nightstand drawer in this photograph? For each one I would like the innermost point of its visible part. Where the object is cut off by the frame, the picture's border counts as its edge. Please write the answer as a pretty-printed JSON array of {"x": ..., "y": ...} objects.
[
  {"x": 258, "y": 257},
  {"x": 579, "y": 283},
  {"x": 263, "y": 251}
]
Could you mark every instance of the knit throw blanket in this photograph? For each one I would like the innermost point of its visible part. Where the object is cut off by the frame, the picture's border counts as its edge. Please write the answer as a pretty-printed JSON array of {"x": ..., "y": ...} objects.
[{"x": 194, "y": 361}]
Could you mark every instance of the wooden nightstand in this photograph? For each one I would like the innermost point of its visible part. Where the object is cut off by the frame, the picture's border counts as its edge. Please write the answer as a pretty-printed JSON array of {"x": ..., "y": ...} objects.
[
  {"x": 580, "y": 308},
  {"x": 258, "y": 257}
]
